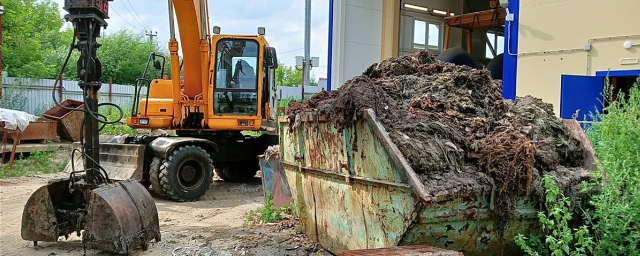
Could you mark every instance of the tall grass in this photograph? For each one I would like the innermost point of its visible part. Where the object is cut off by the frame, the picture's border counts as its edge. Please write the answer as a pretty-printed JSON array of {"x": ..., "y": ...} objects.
[
  {"x": 284, "y": 103},
  {"x": 120, "y": 128},
  {"x": 616, "y": 217},
  {"x": 35, "y": 162}
]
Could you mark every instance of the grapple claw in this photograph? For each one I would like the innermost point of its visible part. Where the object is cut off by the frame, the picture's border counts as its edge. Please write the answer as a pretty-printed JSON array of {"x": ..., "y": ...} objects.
[
  {"x": 120, "y": 217},
  {"x": 117, "y": 217}
]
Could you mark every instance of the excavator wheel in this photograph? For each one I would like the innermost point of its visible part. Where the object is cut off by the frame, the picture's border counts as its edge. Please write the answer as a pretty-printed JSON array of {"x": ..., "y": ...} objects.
[
  {"x": 154, "y": 176},
  {"x": 238, "y": 171},
  {"x": 186, "y": 175}
]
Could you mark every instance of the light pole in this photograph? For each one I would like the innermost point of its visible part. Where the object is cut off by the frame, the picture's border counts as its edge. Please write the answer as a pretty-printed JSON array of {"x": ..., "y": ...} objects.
[{"x": 307, "y": 44}]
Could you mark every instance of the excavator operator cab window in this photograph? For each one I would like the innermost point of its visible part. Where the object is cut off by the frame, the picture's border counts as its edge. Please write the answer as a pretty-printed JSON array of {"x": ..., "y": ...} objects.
[{"x": 236, "y": 82}]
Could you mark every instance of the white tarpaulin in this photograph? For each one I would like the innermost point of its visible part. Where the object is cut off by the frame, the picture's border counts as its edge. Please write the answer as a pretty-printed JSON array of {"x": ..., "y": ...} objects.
[{"x": 14, "y": 119}]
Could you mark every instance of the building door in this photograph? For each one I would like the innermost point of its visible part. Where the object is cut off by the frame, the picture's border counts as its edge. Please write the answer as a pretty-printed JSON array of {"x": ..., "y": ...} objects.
[{"x": 580, "y": 96}]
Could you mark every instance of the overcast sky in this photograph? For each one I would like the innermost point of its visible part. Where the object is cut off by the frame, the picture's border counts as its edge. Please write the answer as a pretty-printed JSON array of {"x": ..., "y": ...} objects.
[{"x": 283, "y": 20}]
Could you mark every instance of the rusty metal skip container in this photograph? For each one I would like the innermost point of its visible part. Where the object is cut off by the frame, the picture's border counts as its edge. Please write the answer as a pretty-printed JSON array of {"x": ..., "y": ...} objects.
[
  {"x": 116, "y": 217},
  {"x": 355, "y": 190}
]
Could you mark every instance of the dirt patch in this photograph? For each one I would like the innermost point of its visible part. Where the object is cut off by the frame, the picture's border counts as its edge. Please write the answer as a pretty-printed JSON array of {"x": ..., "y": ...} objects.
[
  {"x": 210, "y": 226},
  {"x": 270, "y": 239},
  {"x": 452, "y": 125}
]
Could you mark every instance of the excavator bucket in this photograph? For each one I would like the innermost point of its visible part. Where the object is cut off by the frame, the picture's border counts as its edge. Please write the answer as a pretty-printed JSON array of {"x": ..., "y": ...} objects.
[
  {"x": 121, "y": 161},
  {"x": 117, "y": 217}
]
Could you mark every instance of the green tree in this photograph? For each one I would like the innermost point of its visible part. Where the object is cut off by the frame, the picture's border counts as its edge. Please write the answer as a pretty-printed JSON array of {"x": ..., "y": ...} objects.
[
  {"x": 31, "y": 29},
  {"x": 36, "y": 43},
  {"x": 291, "y": 76},
  {"x": 124, "y": 55}
]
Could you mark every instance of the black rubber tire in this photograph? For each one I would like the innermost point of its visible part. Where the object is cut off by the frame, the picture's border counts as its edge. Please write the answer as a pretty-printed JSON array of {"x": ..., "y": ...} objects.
[
  {"x": 145, "y": 181},
  {"x": 154, "y": 176},
  {"x": 458, "y": 56},
  {"x": 186, "y": 175},
  {"x": 238, "y": 171},
  {"x": 495, "y": 66}
]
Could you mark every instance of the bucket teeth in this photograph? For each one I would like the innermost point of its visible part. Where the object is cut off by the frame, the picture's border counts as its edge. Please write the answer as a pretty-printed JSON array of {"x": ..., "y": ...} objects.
[{"x": 118, "y": 217}]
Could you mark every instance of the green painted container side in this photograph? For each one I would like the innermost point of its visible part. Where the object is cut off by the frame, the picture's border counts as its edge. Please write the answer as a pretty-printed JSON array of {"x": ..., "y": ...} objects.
[
  {"x": 465, "y": 224},
  {"x": 351, "y": 193}
]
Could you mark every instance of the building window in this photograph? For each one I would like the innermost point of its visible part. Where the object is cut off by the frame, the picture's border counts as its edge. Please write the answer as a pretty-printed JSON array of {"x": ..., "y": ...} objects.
[
  {"x": 426, "y": 35},
  {"x": 497, "y": 42}
]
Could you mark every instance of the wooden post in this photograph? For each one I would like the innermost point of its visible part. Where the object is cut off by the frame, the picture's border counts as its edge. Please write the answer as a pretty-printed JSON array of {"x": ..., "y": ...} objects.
[
  {"x": 447, "y": 32},
  {"x": 5, "y": 135},
  {"x": 469, "y": 36},
  {"x": 110, "y": 87},
  {"x": 16, "y": 141}
]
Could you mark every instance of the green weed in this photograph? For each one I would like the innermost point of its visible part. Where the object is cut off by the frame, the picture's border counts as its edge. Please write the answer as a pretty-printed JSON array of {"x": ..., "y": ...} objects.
[
  {"x": 611, "y": 220},
  {"x": 559, "y": 239},
  {"x": 120, "y": 128},
  {"x": 266, "y": 214},
  {"x": 616, "y": 216},
  {"x": 251, "y": 133},
  {"x": 14, "y": 98},
  {"x": 284, "y": 103},
  {"x": 36, "y": 162}
]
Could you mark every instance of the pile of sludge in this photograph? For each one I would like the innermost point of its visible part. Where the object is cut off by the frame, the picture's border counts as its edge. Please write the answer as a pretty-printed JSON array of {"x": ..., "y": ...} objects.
[{"x": 453, "y": 127}]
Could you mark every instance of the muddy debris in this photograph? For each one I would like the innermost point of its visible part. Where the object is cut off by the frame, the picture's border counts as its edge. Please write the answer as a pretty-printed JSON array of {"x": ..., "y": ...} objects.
[
  {"x": 282, "y": 238},
  {"x": 455, "y": 129}
]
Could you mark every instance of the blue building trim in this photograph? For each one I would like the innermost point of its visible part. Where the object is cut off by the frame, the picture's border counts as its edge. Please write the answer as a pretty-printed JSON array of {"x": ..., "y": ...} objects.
[
  {"x": 510, "y": 63},
  {"x": 330, "y": 51},
  {"x": 617, "y": 73}
]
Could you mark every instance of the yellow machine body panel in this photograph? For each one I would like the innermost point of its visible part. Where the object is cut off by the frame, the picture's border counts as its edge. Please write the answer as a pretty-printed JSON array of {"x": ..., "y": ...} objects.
[{"x": 235, "y": 86}]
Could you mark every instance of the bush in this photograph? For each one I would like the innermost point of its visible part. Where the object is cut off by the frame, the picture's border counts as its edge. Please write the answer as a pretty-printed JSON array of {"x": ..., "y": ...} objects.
[
  {"x": 284, "y": 103},
  {"x": 612, "y": 222},
  {"x": 120, "y": 128},
  {"x": 617, "y": 208},
  {"x": 13, "y": 98},
  {"x": 560, "y": 238}
]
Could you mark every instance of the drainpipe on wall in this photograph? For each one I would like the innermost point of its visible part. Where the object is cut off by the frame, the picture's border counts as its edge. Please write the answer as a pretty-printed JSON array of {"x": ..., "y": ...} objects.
[
  {"x": 330, "y": 51},
  {"x": 510, "y": 63}
]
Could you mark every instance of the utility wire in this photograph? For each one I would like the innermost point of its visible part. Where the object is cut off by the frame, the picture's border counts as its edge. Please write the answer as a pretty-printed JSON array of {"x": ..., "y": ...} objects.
[
  {"x": 134, "y": 11},
  {"x": 133, "y": 16},
  {"x": 291, "y": 51},
  {"x": 125, "y": 20}
]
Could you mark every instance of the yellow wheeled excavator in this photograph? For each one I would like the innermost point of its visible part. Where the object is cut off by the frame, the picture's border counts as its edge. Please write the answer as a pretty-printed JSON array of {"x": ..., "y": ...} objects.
[
  {"x": 224, "y": 85},
  {"x": 220, "y": 86}
]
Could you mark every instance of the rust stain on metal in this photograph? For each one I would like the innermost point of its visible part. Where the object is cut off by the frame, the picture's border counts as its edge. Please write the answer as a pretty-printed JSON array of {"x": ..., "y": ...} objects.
[
  {"x": 69, "y": 122},
  {"x": 357, "y": 184},
  {"x": 413, "y": 250},
  {"x": 116, "y": 217}
]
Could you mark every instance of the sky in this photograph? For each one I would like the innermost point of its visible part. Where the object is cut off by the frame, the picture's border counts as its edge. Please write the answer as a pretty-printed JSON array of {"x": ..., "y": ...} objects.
[{"x": 283, "y": 20}]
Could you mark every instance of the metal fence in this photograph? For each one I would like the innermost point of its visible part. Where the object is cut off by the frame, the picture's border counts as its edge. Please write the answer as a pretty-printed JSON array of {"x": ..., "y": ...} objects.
[
  {"x": 37, "y": 93},
  {"x": 285, "y": 92}
]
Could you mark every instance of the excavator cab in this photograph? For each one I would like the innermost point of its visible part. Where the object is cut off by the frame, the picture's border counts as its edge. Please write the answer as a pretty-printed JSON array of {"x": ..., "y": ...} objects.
[
  {"x": 242, "y": 90},
  {"x": 236, "y": 84}
]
